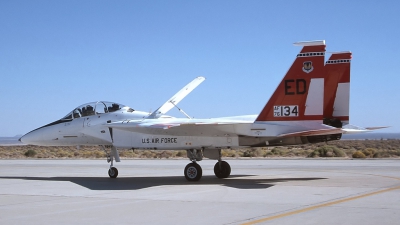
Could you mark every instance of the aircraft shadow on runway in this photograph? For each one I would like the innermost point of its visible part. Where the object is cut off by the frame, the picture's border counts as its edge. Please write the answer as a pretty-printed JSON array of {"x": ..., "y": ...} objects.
[{"x": 135, "y": 183}]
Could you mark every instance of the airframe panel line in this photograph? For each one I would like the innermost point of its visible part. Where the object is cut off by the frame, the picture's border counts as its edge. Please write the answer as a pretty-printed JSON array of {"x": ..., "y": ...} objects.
[{"x": 319, "y": 206}]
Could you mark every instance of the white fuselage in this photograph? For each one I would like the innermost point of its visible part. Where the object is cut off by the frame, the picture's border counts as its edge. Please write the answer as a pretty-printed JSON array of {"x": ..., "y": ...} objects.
[{"x": 124, "y": 129}]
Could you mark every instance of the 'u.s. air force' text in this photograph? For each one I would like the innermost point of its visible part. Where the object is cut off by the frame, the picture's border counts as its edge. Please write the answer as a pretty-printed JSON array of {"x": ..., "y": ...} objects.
[{"x": 159, "y": 140}]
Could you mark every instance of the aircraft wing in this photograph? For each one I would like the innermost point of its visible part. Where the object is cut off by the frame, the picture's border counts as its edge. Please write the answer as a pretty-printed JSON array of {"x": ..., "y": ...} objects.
[
  {"x": 134, "y": 125},
  {"x": 344, "y": 130},
  {"x": 195, "y": 127},
  {"x": 174, "y": 100}
]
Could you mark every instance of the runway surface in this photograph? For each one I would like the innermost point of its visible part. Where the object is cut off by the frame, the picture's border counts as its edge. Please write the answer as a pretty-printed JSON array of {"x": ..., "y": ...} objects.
[{"x": 155, "y": 192}]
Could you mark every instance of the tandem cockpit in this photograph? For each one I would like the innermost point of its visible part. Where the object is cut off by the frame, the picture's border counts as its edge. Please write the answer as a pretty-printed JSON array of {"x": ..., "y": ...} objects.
[
  {"x": 96, "y": 108},
  {"x": 89, "y": 111}
]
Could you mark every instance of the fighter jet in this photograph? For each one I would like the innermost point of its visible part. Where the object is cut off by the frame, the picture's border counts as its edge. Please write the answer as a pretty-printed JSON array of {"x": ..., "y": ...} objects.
[{"x": 300, "y": 111}]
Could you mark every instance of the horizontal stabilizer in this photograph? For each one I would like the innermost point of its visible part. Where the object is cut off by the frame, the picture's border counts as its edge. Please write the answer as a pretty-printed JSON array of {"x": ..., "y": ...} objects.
[
  {"x": 313, "y": 132},
  {"x": 174, "y": 100},
  {"x": 352, "y": 129},
  {"x": 309, "y": 43}
]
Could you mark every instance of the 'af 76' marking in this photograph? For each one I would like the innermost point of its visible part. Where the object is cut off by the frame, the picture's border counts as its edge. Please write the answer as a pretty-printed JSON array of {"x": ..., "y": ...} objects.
[{"x": 286, "y": 110}]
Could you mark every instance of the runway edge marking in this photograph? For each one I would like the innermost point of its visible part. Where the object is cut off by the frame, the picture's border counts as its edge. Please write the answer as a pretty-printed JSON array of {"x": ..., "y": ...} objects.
[{"x": 319, "y": 206}]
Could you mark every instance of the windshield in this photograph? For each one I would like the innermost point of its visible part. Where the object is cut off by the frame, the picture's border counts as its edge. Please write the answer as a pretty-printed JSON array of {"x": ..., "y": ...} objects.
[{"x": 93, "y": 108}]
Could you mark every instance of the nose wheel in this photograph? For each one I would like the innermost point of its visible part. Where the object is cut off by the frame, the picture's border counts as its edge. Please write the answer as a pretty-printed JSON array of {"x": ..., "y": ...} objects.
[
  {"x": 113, "y": 172},
  {"x": 193, "y": 172}
]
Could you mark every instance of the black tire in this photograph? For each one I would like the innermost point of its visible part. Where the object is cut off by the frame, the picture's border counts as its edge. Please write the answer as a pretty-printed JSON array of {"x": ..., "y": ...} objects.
[
  {"x": 193, "y": 172},
  {"x": 223, "y": 170},
  {"x": 113, "y": 172}
]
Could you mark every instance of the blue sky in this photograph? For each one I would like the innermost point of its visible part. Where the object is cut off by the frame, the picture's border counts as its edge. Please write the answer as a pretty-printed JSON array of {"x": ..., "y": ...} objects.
[{"x": 56, "y": 55}]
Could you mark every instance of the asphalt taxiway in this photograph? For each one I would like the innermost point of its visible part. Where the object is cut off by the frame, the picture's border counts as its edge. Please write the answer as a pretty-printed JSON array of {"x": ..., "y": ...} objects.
[{"x": 155, "y": 192}]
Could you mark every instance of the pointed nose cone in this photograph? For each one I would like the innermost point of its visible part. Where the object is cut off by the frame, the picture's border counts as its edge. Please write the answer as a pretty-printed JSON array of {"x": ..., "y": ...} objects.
[{"x": 32, "y": 138}]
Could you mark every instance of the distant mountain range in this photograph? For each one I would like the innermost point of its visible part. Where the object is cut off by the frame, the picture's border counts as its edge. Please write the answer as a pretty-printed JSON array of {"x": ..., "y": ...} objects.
[
  {"x": 371, "y": 136},
  {"x": 363, "y": 136},
  {"x": 10, "y": 140}
]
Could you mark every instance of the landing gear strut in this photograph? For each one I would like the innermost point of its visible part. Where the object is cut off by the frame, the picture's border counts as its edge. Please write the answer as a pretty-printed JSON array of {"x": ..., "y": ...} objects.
[{"x": 112, "y": 172}]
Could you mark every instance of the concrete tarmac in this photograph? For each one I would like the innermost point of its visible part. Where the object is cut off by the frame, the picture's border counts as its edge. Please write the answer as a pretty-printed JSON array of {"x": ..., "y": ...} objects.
[{"x": 259, "y": 191}]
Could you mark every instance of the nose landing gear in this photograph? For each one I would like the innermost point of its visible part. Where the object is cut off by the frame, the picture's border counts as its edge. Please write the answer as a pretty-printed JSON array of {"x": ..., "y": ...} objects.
[{"x": 112, "y": 172}]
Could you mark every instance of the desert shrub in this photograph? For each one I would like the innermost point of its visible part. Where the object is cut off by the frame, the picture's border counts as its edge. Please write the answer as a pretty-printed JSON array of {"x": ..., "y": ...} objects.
[
  {"x": 30, "y": 153},
  {"x": 61, "y": 153},
  {"x": 276, "y": 151},
  {"x": 122, "y": 153},
  {"x": 164, "y": 154},
  {"x": 148, "y": 154},
  {"x": 339, "y": 153},
  {"x": 327, "y": 151},
  {"x": 255, "y": 152},
  {"x": 128, "y": 154},
  {"x": 99, "y": 154},
  {"x": 228, "y": 153},
  {"x": 85, "y": 154},
  {"x": 313, "y": 154},
  {"x": 329, "y": 154},
  {"x": 369, "y": 152},
  {"x": 268, "y": 154},
  {"x": 181, "y": 153},
  {"x": 378, "y": 155},
  {"x": 247, "y": 153},
  {"x": 319, "y": 152},
  {"x": 258, "y": 152},
  {"x": 233, "y": 153},
  {"x": 224, "y": 153},
  {"x": 358, "y": 154},
  {"x": 323, "y": 151}
]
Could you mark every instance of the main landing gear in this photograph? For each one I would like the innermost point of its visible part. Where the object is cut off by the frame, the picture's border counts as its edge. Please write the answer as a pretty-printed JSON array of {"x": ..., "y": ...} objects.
[
  {"x": 193, "y": 171},
  {"x": 112, "y": 172},
  {"x": 222, "y": 169}
]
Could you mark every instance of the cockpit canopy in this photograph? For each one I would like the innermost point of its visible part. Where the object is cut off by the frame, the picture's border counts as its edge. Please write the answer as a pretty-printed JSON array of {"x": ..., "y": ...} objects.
[{"x": 94, "y": 108}]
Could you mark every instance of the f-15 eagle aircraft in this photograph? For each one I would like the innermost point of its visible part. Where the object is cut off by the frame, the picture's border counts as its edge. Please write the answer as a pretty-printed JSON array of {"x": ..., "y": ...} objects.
[{"x": 306, "y": 107}]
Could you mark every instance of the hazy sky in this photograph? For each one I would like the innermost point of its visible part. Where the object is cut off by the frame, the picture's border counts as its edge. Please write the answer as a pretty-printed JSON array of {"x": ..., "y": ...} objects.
[{"x": 57, "y": 55}]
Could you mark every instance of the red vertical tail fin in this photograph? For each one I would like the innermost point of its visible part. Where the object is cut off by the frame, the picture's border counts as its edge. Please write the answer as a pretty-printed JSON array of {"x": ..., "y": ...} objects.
[
  {"x": 337, "y": 89},
  {"x": 299, "y": 96}
]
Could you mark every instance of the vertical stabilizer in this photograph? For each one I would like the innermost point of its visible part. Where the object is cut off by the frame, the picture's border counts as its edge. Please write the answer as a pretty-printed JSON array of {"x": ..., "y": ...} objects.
[
  {"x": 337, "y": 89},
  {"x": 299, "y": 96}
]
